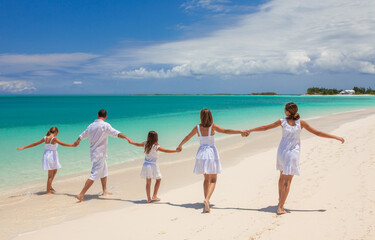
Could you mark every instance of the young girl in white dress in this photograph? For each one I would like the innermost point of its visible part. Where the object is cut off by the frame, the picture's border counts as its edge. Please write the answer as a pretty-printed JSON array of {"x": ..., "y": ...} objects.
[
  {"x": 149, "y": 169},
  {"x": 50, "y": 156},
  {"x": 288, "y": 153},
  {"x": 207, "y": 159}
]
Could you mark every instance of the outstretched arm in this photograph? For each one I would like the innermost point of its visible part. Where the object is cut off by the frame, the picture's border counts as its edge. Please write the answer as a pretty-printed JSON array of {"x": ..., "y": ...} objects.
[
  {"x": 31, "y": 145},
  {"x": 319, "y": 133},
  {"x": 120, "y": 135},
  {"x": 168, "y": 150},
  {"x": 265, "y": 127},
  {"x": 138, "y": 144},
  {"x": 227, "y": 131},
  {"x": 64, "y": 144},
  {"x": 187, "y": 138}
]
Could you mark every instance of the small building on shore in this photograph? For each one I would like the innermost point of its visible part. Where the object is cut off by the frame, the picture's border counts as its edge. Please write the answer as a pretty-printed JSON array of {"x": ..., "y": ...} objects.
[{"x": 347, "y": 92}]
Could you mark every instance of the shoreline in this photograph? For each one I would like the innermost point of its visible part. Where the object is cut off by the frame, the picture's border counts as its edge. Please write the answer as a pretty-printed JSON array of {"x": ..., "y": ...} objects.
[
  {"x": 181, "y": 189},
  {"x": 26, "y": 202}
]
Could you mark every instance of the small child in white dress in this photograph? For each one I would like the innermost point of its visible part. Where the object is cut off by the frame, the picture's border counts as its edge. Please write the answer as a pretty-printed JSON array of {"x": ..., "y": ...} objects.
[
  {"x": 50, "y": 156},
  {"x": 288, "y": 153},
  {"x": 207, "y": 160},
  {"x": 150, "y": 170}
]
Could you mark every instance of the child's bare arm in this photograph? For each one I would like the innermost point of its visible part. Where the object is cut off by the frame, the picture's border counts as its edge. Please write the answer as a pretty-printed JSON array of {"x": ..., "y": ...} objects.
[
  {"x": 31, "y": 145},
  {"x": 168, "y": 150},
  {"x": 320, "y": 133},
  {"x": 187, "y": 138},
  {"x": 138, "y": 144},
  {"x": 265, "y": 127},
  {"x": 65, "y": 144},
  {"x": 226, "y": 131}
]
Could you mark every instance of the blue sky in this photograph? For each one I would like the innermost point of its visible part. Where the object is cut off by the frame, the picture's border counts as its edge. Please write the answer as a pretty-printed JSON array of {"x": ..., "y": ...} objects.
[{"x": 186, "y": 46}]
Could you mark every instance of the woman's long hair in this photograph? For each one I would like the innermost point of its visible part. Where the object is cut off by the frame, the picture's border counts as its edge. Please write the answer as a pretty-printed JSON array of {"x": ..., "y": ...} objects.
[
  {"x": 206, "y": 118},
  {"x": 53, "y": 130},
  {"x": 293, "y": 110},
  {"x": 152, "y": 139}
]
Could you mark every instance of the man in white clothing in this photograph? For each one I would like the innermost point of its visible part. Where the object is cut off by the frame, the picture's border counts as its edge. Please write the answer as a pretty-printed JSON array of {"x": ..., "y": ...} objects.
[{"x": 98, "y": 133}]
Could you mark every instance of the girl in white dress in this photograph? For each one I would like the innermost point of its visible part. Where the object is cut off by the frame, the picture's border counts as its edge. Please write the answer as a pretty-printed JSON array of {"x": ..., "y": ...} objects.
[
  {"x": 288, "y": 153},
  {"x": 207, "y": 159},
  {"x": 50, "y": 156},
  {"x": 149, "y": 169}
]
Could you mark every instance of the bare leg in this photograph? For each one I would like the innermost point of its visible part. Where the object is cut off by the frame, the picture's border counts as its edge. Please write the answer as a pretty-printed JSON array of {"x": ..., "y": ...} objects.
[
  {"x": 156, "y": 189},
  {"x": 148, "y": 189},
  {"x": 49, "y": 181},
  {"x": 53, "y": 177},
  {"x": 284, "y": 193},
  {"x": 281, "y": 179},
  {"x": 88, "y": 184},
  {"x": 104, "y": 186},
  {"x": 206, "y": 182},
  {"x": 211, "y": 188}
]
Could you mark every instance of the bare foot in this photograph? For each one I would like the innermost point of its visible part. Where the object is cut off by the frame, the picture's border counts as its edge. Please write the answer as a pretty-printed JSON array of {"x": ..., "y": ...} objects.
[
  {"x": 206, "y": 206},
  {"x": 281, "y": 211},
  {"x": 49, "y": 192},
  {"x": 155, "y": 198},
  {"x": 149, "y": 200},
  {"x": 105, "y": 193},
  {"x": 80, "y": 198},
  {"x": 53, "y": 190}
]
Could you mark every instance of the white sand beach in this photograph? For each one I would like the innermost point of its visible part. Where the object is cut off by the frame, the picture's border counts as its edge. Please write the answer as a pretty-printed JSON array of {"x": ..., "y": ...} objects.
[{"x": 334, "y": 198}]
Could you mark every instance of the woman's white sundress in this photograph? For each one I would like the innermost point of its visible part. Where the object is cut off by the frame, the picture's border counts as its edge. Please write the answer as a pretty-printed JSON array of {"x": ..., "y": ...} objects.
[
  {"x": 50, "y": 156},
  {"x": 149, "y": 168},
  {"x": 288, "y": 153},
  {"x": 207, "y": 160}
]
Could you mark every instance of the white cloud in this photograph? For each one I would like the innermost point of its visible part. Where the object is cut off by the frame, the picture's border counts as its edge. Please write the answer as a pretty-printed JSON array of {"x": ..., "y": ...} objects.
[
  {"x": 16, "y": 86},
  {"x": 284, "y": 36},
  {"x": 42, "y": 64},
  {"x": 77, "y": 82},
  {"x": 213, "y": 5}
]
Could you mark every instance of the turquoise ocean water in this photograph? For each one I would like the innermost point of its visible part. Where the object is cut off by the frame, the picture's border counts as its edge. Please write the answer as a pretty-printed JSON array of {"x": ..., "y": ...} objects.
[{"x": 26, "y": 119}]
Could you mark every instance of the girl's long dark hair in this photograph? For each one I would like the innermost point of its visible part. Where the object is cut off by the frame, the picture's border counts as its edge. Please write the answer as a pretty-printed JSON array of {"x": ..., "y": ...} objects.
[
  {"x": 293, "y": 110},
  {"x": 206, "y": 118},
  {"x": 52, "y": 130},
  {"x": 152, "y": 139}
]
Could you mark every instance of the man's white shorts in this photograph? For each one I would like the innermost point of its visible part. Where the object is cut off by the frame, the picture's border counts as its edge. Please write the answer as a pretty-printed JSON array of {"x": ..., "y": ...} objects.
[{"x": 99, "y": 170}]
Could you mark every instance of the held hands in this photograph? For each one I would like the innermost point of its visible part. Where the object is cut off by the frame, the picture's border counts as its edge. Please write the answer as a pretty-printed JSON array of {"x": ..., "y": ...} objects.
[
  {"x": 20, "y": 148},
  {"x": 179, "y": 149},
  {"x": 245, "y": 133},
  {"x": 76, "y": 143}
]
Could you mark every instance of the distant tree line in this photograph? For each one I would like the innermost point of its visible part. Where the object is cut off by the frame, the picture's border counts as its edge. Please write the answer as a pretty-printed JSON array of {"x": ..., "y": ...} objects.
[
  {"x": 334, "y": 91},
  {"x": 264, "y": 93}
]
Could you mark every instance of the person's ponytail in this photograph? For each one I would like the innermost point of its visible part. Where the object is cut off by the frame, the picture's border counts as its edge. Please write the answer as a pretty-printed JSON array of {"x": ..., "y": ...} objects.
[
  {"x": 293, "y": 111},
  {"x": 52, "y": 130}
]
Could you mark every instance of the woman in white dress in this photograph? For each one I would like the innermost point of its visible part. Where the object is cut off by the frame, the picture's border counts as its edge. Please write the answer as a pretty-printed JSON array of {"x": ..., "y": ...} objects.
[
  {"x": 288, "y": 153},
  {"x": 50, "y": 156},
  {"x": 207, "y": 161},
  {"x": 149, "y": 169}
]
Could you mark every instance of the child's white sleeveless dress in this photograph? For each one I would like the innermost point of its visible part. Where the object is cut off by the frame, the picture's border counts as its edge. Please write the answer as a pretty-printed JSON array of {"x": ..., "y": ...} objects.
[
  {"x": 207, "y": 160},
  {"x": 50, "y": 156},
  {"x": 149, "y": 168},
  {"x": 288, "y": 153}
]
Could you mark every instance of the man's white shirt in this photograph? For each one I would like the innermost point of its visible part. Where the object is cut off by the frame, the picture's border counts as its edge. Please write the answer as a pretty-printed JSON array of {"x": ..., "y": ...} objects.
[{"x": 98, "y": 132}]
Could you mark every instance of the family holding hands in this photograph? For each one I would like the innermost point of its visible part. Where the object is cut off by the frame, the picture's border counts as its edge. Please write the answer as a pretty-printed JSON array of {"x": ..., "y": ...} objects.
[{"x": 207, "y": 157}]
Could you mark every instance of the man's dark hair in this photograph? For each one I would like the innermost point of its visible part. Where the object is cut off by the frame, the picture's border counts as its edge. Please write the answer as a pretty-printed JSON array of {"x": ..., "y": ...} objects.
[{"x": 102, "y": 113}]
